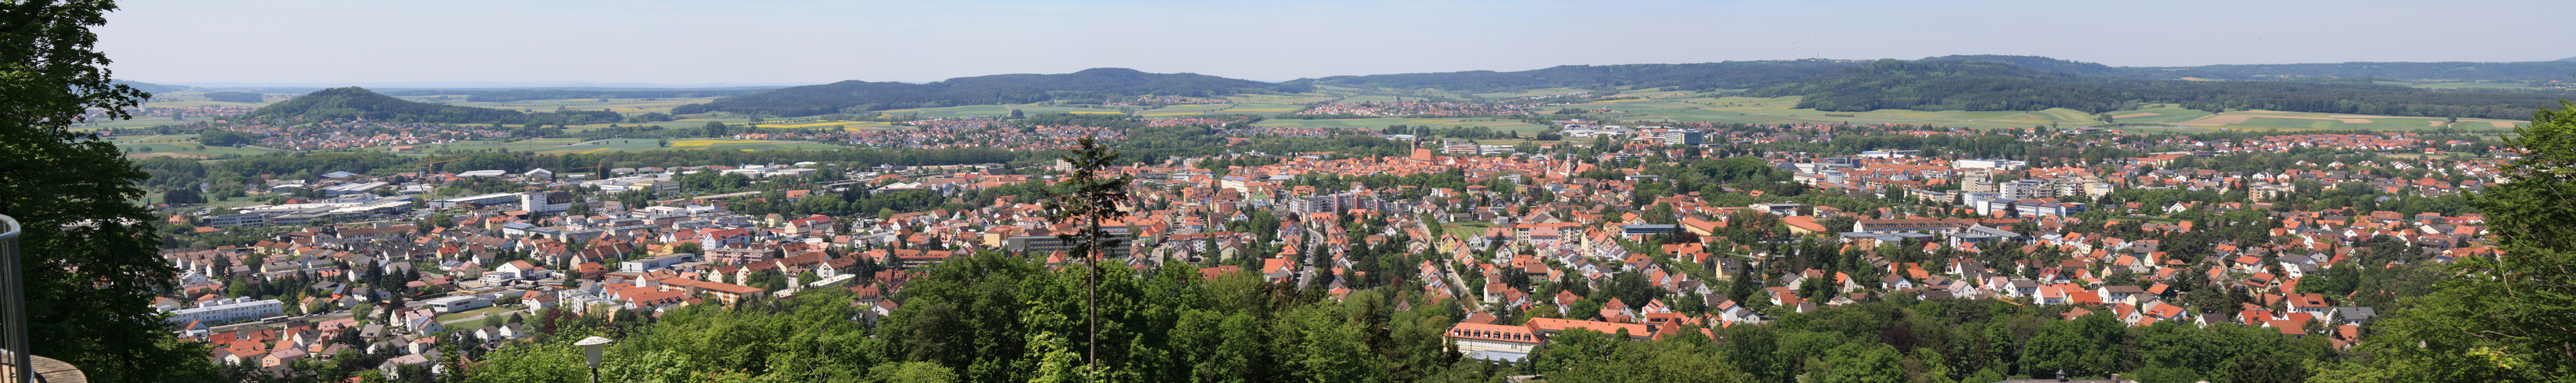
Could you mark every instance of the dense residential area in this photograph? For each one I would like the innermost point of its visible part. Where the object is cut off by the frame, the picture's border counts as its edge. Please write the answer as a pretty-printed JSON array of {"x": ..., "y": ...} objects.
[
  {"x": 1764, "y": 237},
  {"x": 1077, "y": 193}
]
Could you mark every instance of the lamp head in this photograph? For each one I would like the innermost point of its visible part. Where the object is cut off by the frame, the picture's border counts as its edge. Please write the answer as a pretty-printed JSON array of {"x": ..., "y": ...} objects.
[{"x": 590, "y": 348}]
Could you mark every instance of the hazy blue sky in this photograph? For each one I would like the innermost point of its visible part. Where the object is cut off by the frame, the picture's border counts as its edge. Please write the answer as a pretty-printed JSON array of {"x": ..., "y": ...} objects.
[{"x": 783, "y": 41}]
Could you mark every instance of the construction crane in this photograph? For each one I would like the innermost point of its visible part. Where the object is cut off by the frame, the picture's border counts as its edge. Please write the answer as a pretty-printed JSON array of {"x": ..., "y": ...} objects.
[{"x": 424, "y": 166}]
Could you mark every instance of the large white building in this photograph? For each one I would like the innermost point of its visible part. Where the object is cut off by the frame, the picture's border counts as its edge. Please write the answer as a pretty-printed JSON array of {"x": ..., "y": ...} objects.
[
  {"x": 1989, "y": 164},
  {"x": 455, "y": 304},
  {"x": 1494, "y": 342},
  {"x": 228, "y": 310},
  {"x": 485, "y": 200},
  {"x": 2029, "y": 208},
  {"x": 655, "y": 263},
  {"x": 1684, "y": 137},
  {"x": 545, "y": 202}
]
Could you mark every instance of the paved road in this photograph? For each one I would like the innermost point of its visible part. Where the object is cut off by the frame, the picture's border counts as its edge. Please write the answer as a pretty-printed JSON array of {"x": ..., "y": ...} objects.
[{"x": 1475, "y": 299}]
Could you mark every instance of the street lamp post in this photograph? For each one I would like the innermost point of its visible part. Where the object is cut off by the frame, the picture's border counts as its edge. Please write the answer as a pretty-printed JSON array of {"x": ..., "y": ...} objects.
[{"x": 590, "y": 347}]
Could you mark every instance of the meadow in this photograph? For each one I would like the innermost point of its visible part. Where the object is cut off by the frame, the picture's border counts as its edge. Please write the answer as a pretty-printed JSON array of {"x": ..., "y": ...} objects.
[
  {"x": 992, "y": 111},
  {"x": 176, "y": 145},
  {"x": 1292, "y": 99},
  {"x": 1531, "y": 93},
  {"x": 621, "y": 105},
  {"x": 629, "y": 145},
  {"x": 1184, "y": 110},
  {"x": 830, "y": 124},
  {"x": 1377, "y": 123},
  {"x": 1783, "y": 110}
]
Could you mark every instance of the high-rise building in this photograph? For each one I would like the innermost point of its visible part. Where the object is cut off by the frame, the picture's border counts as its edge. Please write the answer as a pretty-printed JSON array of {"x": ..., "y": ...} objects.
[
  {"x": 1684, "y": 137},
  {"x": 1977, "y": 181}
]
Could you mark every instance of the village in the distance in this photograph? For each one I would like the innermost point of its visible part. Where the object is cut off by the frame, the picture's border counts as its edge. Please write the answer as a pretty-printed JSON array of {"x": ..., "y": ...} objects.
[{"x": 1642, "y": 229}]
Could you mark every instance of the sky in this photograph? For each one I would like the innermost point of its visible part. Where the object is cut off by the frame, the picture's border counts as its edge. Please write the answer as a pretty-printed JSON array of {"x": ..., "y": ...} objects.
[{"x": 744, "y": 42}]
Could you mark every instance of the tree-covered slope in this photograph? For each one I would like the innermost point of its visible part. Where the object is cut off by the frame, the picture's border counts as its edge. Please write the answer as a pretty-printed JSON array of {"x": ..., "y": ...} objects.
[
  {"x": 854, "y": 96},
  {"x": 1699, "y": 76},
  {"x": 359, "y": 103},
  {"x": 1992, "y": 86},
  {"x": 508, "y": 95},
  {"x": 2045, "y": 64},
  {"x": 2512, "y": 71}
]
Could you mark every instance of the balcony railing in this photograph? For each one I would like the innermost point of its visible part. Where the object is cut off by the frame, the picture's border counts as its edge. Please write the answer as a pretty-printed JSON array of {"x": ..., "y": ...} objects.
[{"x": 15, "y": 363}]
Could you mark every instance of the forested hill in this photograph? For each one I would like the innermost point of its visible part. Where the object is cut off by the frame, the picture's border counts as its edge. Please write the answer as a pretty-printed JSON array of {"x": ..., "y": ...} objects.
[
  {"x": 2045, "y": 64},
  {"x": 360, "y": 103},
  {"x": 2513, "y": 71},
  {"x": 1990, "y": 86},
  {"x": 1756, "y": 74},
  {"x": 1699, "y": 76},
  {"x": 853, "y": 96},
  {"x": 522, "y": 94}
]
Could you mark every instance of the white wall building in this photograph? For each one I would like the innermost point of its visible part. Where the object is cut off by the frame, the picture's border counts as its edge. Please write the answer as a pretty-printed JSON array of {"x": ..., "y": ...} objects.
[
  {"x": 451, "y": 305},
  {"x": 227, "y": 310},
  {"x": 545, "y": 201}
]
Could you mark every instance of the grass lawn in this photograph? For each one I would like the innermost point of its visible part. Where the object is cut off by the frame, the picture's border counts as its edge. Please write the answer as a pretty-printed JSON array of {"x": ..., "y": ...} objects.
[
  {"x": 496, "y": 310},
  {"x": 1465, "y": 229}
]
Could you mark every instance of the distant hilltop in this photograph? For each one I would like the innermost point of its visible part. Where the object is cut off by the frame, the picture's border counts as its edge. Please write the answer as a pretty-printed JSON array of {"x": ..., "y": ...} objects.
[{"x": 854, "y": 95}]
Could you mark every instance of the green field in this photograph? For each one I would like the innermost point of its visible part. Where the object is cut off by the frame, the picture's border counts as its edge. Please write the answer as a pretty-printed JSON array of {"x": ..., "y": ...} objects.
[
  {"x": 993, "y": 111},
  {"x": 645, "y": 145},
  {"x": 2271, "y": 120},
  {"x": 1263, "y": 109},
  {"x": 1375, "y": 98},
  {"x": 1782, "y": 110},
  {"x": 1530, "y": 93},
  {"x": 176, "y": 145},
  {"x": 484, "y": 145},
  {"x": 620, "y": 105},
  {"x": 1184, "y": 110},
  {"x": 1293, "y": 99},
  {"x": 828, "y": 124},
  {"x": 1243, "y": 109},
  {"x": 1465, "y": 230},
  {"x": 1492, "y": 123}
]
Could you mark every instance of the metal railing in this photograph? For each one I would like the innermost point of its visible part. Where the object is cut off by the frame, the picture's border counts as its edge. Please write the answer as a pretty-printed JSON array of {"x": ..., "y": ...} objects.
[{"x": 13, "y": 305}]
